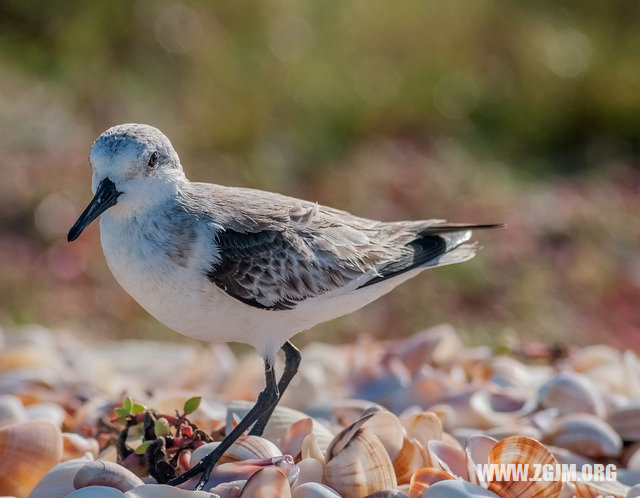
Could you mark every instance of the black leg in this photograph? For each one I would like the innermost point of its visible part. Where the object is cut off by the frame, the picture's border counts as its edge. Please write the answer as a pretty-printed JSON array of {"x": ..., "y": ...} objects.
[
  {"x": 291, "y": 363},
  {"x": 266, "y": 400}
]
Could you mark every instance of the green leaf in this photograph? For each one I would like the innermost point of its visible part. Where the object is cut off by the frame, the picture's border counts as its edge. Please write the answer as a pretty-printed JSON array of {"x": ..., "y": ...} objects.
[
  {"x": 140, "y": 450},
  {"x": 121, "y": 412},
  {"x": 192, "y": 404},
  {"x": 161, "y": 427},
  {"x": 137, "y": 408},
  {"x": 127, "y": 404}
]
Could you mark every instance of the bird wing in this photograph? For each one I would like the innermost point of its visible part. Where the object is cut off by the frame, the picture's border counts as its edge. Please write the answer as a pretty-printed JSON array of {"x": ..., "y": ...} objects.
[{"x": 274, "y": 252}]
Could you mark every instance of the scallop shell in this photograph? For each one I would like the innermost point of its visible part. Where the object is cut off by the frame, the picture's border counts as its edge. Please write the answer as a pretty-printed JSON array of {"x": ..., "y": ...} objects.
[
  {"x": 571, "y": 392},
  {"x": 425, "y": 477},
  {"x": 101, "y": 473},
  {"x": 585, "y": 434},
  {"x": 269, "y": 482},
  {"x": 28, "y": 450},
  {"x": 523, "y": 450},
  {"x": 357, "y": 463}
]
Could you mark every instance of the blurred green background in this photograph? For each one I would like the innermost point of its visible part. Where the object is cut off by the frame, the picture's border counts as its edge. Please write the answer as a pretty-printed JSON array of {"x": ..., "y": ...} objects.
[{"x": 520, "y": 112}]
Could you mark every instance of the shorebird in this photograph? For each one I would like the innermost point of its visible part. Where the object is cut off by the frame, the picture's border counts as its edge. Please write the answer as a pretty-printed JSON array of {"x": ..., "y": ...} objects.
[{"x": 235, "y": 264}]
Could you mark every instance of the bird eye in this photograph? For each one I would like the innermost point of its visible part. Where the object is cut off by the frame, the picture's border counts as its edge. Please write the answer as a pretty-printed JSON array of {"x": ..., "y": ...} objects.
[{"x": 153, "y": 159}]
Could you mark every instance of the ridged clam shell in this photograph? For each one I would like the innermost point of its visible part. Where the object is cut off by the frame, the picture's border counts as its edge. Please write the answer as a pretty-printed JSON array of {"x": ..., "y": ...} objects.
[
  {"x": 279, "y": 423},
  {"x": 591, "y": 489},
  {"x": 357, "y": 463},
  {"x": 101, "y": 473},
  {"x": 571, "y": 392},
  {"x": 269, "y": 482},
  {"x": 585, "y": 434},
  {"x": 388, "y": 429},
  {"x": 425, "y": 477},
  {"x": 523, "y": 450},
  {"x": 250, "y": 448},
  {"x": 28, "y": 450}
]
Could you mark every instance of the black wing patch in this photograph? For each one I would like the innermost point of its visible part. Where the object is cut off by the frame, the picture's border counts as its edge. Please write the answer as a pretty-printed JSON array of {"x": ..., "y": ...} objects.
[{"x": 425, "y": 249}]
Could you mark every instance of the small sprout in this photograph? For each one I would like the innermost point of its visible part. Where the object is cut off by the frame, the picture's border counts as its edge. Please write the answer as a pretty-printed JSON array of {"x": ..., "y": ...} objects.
[
  {"x": 127, "y": 404},
  {"x": 162, "y": 427},
  {"x": 192, "y": 404},
  {"x": 122, "y": 412},
  {"x": 142, "y": 449},
  {"x": 137, "y": 408}
]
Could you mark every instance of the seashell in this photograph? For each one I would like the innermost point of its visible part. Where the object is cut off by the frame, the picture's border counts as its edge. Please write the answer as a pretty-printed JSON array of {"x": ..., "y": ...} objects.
[
  {"x": 446, "y": 414},
  {"x": 47, "y": 411},
  {"x": 626, "y": 421},
  {"x": 477, "y": 449},
  {"x": 438, "y": 345},
  {"x": 424, "y": 426},
  {"x": 269, "y": 482},
  {"x": 411, "y": 457},
  {"x": 279, "y": 423},
  {"x": 450, "y": 440},
  {"x": 242, "y": 471},
  {"x": 250, "y": 448},
  {"x": 11, "y": 410},
  {"x": 448, "y": 458},
  {"x": 311, "y": 470},
  {"x": 76, "y": 446},
  {"x": 164, "y": 491},
  {"x": 58, "y": 482},
  {"x": 498, "y": 407},
  {"x": 228, "y": 489},
  {"x": 28, "y": 450},
  {"x": 571, "y": 392},
  {"x": 457, "y": 489},
  {"x": 592, "y": 489},
  {"x": 565, "y": 456},
  {"x": 291, "y": 442},
  {"x": 311, "y": 449},
  {"x": 314, "y": 490},
  {"x": 523, "y": 450},
  {"x": 589, "y": 357},
  {"x": 388, "y": 429},
  {"x": 585, "y": 434},
  {"x": 101, "y": 473},
  {"x": 628, "y": 477},
  {"x": 96, "y": 492},
  {"x": 425, "y": 477},
  {"x": 516, "y": 429},
  {"x": 387, "y": 493},
  {"x": 357, "y": 462}
]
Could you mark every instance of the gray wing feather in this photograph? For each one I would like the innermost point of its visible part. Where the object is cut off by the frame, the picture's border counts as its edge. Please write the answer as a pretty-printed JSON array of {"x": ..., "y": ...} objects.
[{"x": 276, "y": 251}]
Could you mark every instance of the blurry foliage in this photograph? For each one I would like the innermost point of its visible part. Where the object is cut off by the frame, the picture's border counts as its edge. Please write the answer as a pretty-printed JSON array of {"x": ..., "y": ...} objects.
[{"x": 523, "y": 112}]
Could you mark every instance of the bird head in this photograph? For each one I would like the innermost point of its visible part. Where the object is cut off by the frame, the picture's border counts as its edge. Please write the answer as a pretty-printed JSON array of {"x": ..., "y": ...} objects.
[{"x": 135, "y": 168}]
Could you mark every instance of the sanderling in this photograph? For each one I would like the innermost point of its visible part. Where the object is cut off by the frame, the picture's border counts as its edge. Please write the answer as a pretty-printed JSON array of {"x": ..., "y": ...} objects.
[{"x": 235, "y": 264}]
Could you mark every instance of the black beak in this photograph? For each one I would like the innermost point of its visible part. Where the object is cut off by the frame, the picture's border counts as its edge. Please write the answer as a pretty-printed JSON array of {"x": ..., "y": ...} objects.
[{"x": 106, "y": 196}]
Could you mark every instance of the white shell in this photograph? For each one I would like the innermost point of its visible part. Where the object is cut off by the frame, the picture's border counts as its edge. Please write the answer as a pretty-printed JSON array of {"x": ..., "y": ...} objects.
[
  {"x": 314, "y": 490},
  {"x": 58, "y": 482},
  {"x": 585, "y": 434},
  {"x": 164, "y": 491},
  {"x": 457, "y": 489},
  {"x": 96, "y": 492},
  {"x": 101, "y": 473},
  {"x": 571, "y": 392}
]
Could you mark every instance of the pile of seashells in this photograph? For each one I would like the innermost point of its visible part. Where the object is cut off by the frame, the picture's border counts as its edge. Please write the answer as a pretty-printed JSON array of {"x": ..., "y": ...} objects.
[{"x": 410, "y": 417}]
